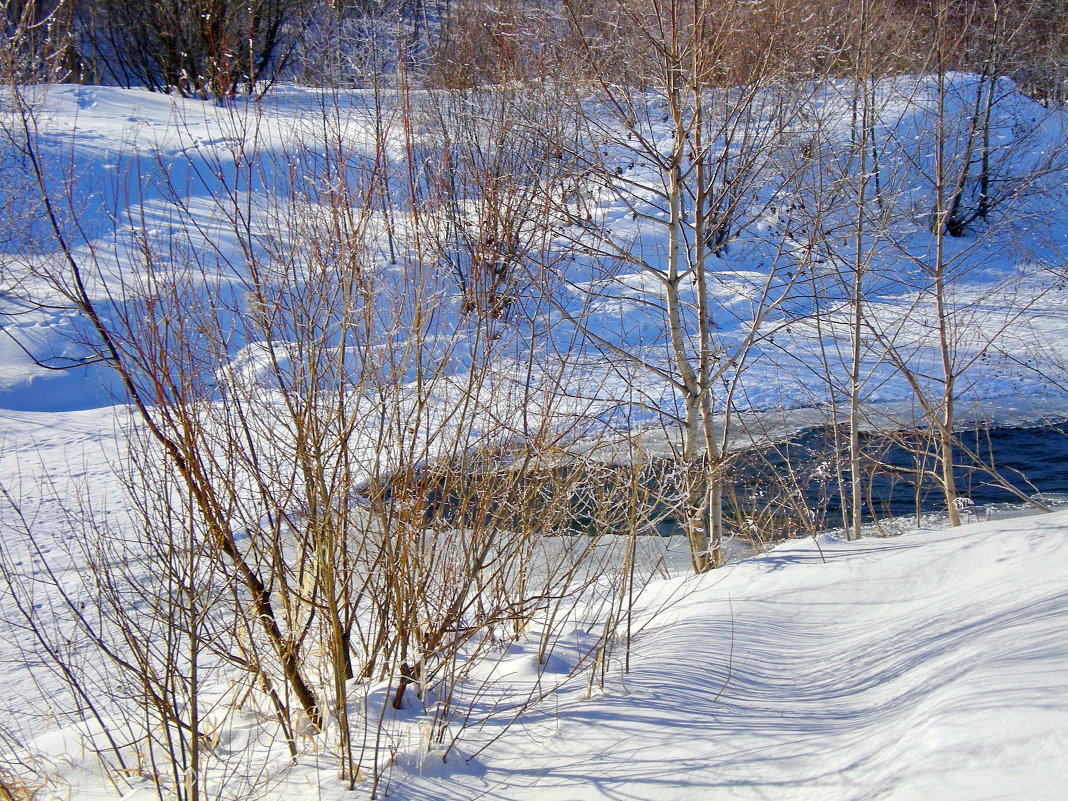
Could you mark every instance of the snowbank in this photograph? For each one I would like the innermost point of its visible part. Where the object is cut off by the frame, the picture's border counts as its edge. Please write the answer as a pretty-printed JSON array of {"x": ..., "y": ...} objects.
[{"x": 931, "y": 665}]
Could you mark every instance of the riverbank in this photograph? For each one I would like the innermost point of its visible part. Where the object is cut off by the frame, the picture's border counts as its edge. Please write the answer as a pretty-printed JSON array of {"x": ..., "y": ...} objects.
[{"x": 926, "y": 665}]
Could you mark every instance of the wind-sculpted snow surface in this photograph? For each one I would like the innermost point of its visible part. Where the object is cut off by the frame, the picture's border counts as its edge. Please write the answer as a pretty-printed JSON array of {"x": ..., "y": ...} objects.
[{"x": 930, "y": 665}]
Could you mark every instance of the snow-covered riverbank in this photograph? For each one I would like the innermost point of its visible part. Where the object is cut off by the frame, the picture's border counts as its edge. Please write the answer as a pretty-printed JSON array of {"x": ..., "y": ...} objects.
[{"x": 930, "y": 665}]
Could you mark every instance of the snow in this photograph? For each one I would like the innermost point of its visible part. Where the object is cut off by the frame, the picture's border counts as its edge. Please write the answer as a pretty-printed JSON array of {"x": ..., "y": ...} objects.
[
  {"x": 176, "y": 170},
  {"x": 929, "y": 665}
]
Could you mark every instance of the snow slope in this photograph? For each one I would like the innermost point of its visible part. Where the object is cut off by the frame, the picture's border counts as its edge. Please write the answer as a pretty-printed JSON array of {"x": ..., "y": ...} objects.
[{"x": 931, "y": 665}]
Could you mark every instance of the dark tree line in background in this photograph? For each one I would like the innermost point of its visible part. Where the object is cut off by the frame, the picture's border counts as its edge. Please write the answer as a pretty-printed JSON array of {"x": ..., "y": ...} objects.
[{"x": 223, "y": 47}]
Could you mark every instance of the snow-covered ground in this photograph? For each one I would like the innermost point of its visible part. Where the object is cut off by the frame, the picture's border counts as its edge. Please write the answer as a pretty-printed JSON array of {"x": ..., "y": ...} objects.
[
  {"x": 932, "y": 665},
  {"x": 190, "y": 177},
  {"x": 929, "y": 665}
]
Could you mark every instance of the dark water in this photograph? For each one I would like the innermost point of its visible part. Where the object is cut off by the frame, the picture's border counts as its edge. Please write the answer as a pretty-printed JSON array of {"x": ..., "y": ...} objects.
[
  {"x": 791, "y": 489},
  {"x": 798, "y": 481}
]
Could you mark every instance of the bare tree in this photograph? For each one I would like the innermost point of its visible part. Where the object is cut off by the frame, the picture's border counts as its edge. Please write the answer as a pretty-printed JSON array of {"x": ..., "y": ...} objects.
[{"x": 689, "y": 154}]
